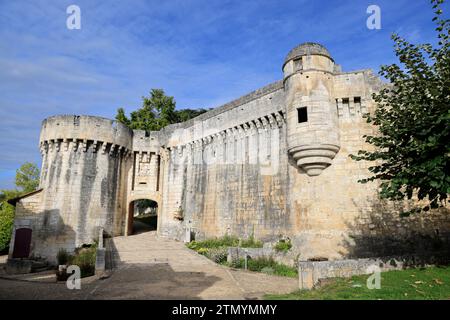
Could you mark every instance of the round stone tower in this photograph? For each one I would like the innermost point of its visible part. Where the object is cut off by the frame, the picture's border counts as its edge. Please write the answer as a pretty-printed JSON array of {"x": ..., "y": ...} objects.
[
  {"x": 84, "y": 166},
  {"x": 312, "y": 120}
]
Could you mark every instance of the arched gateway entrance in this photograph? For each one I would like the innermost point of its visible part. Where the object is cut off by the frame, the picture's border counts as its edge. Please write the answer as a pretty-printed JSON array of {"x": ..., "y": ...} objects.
[{"x": 142, "y": 216}]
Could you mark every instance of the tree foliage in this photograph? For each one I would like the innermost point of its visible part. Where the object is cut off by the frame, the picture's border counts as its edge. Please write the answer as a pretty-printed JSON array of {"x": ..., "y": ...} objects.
[
  {"x": 122, "y": 118},
  {"x": 6, "y": 224},
  {"x": 157, "y": 111},
  {"x": 27, "y": 177},
  {"x": 413, "y": 121},
  {"x": 5, "y": 195},
  {"x": 187, "y": 114}
]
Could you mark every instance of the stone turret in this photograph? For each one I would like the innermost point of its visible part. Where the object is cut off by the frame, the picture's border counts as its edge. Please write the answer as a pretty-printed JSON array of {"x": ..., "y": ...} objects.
[
  {"x": 83, "y": 168},
  {"x": 312, "y": 120}
]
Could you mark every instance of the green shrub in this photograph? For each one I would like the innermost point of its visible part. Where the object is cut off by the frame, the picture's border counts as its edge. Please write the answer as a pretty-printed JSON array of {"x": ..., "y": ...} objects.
[
  {"x": 203, "y": 251},
  {"x": 283, "y": 245},
  {"x": 193, "y": 245},
  {"x": 62, "y": 257},
  {"x": 266, "y": 265},
  {"x": 85, "y": 259},
  {"x": 216, "y": 249},
  {"x": 225, "y": 241},
  {"x": 237, "y": 263},
  {"x": 285, "y": 271},
  {"x": 218, "y": 255},
  {"x": 258, "y": 264},
  {"x": 6, "y": 224},
  {"x": 251, "y": 243}
]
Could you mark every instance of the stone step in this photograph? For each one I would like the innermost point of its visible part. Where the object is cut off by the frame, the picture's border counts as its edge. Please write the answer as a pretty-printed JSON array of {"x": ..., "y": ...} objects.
[
  {"x": 39, "y": 266},
  {"x": 36, "y": 270}
]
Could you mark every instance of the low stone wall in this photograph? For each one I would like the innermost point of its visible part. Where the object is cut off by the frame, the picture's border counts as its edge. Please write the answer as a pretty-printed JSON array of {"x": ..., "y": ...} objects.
[
  {"x": 310, "y": 272},
  {"x": 18, "y": 266}
]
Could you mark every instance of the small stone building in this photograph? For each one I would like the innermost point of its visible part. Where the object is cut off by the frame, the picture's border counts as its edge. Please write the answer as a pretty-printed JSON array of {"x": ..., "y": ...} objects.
[{"x": 273, "y": 163}]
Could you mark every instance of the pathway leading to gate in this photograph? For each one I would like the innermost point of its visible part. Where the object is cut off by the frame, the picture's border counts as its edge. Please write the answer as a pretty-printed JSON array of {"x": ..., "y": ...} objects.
[{"x": 149, "y": 267}]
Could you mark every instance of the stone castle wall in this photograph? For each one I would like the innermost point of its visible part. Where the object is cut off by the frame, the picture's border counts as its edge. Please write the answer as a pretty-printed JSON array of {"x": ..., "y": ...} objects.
[
  {"x": 253, "y": 167},
  {"x": 219, "y": 176}
]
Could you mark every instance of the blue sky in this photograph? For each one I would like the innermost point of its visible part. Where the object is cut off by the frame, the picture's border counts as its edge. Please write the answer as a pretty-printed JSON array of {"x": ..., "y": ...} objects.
[{"x": 204, "y": 53}]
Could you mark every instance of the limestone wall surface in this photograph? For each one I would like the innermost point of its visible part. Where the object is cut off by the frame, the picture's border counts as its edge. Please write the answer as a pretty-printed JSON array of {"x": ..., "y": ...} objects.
[
  {"x": 229, "y": 176},
  {"x": 221, "y": 186}
]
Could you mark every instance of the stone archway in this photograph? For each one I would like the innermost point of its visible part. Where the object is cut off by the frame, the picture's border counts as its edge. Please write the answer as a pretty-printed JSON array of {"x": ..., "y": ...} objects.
[{"x": 142, "y": 216}]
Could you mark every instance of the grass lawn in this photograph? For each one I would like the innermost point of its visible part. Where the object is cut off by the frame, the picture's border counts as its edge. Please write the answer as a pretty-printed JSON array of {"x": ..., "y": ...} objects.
[{"x": 427, "y": 283}]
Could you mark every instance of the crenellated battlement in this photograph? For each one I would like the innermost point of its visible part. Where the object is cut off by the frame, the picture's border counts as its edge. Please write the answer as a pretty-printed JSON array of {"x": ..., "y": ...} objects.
[
  {"x": 258, "y": 125},
  {"x": 84, "y": 145},
  {"x": 75, "y": 128}
]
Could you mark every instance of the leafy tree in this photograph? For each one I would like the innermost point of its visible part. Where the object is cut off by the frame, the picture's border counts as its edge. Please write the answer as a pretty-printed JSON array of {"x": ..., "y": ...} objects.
[
  {"x": 157, "y": 111},
  {"x": 27, "y": 177},
  {"x": 6, "y": 224},
  {"x": 9, "y": 194},
  {"x": 164, "y": 107},
  {"x": 121, "y": 117},
  {"x": 413, "y": 121},
  {"x": 187, "y": 114}
]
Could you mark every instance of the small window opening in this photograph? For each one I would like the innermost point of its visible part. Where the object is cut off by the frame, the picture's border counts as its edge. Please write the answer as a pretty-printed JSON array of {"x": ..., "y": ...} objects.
[
  {"x": 76, "y": 120},
  {"x": 298, "y": 64},
  {"x": 302, "y": 114},
  {"x": 357, "y": 103}
]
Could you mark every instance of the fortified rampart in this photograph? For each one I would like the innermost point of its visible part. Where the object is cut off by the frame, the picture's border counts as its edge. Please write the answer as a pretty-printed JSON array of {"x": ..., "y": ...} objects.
[{"x": 274, "y": 163}]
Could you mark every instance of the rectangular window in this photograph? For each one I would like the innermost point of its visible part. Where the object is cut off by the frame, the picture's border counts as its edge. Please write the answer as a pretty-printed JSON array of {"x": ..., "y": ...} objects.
[
  {"x": 346, "y": 105},
  {"x": 302, "y": 114},
  {"x": 357, "y": 104}
]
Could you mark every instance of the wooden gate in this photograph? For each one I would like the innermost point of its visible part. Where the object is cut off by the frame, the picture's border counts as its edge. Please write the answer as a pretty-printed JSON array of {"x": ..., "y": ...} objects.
[{"x": 22, "y": 243}]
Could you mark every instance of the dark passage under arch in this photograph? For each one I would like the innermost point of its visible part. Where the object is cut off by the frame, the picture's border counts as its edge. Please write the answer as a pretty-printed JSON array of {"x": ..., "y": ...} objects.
[{"x": 143, "y": 216}]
